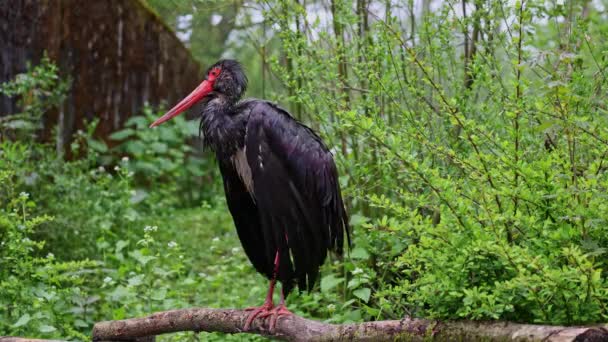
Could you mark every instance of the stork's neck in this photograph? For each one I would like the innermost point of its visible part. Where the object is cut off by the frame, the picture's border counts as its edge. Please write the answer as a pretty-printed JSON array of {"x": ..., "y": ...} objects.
[{"x": 222, "y": 126}]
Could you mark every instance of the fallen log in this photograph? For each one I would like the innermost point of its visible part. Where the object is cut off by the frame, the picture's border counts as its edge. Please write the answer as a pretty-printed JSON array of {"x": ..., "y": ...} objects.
[{"x": 295, "y": 328}]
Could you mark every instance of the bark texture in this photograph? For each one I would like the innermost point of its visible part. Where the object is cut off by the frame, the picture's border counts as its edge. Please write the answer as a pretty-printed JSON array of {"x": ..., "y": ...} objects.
[
  {"x": 295, "y": 328},
  {"x": 118, "y": 54}
]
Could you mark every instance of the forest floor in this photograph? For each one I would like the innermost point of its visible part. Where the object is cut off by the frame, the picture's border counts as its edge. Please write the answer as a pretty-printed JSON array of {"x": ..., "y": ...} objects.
[{"x": 212, "y": 249}]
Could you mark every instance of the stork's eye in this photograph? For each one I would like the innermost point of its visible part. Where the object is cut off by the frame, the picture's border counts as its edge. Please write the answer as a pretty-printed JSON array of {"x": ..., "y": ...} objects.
[{"x": 215, "y": 72}]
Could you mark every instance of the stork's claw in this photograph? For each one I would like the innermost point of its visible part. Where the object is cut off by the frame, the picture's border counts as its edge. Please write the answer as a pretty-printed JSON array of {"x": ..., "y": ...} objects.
[
  {"x": 279, "y": 310},
  {"x": 262, "y": 311}
]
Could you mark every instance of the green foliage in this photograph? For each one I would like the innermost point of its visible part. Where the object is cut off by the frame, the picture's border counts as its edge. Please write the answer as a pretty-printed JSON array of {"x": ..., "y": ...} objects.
[
  {"x": 164, "y": 159},
  {"x": 80, "y": 244},
  {"x": 143, "y": 267},
  {"x": 481, "y": 172},
  {"x": 475, "y": 170},
  {"x": 35, "y": 291},
  {"x": 39, "y": 89},
  {"x": 214, "y": 29},
  {"x": 196, "y": 24}
]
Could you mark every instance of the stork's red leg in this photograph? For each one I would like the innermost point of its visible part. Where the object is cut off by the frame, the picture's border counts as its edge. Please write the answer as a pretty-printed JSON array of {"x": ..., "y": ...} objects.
[
  {"x": 279, "y": 310},
  {"x": 267, "y": 308},
  {"x": 261, "y": 311}
]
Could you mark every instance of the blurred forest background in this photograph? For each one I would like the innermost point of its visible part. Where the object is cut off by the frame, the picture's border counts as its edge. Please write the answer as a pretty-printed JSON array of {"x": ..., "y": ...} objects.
[{"x": 471, "y": 138}]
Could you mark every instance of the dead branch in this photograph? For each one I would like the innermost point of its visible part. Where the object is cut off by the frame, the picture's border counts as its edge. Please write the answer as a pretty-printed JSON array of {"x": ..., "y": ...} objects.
[{"x": 295, "y": 328}]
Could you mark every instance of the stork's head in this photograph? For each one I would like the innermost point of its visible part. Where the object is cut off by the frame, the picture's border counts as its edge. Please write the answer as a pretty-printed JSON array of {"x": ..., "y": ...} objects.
[{"x": 225, "y": 77}]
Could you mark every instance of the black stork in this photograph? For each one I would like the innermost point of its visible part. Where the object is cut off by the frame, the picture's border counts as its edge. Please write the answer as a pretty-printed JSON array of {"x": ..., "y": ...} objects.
[{"x": 280, "y": 181}]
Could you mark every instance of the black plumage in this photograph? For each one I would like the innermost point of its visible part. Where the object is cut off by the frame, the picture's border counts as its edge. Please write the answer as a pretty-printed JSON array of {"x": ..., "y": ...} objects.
[
  {"x": 295, "y": 205},
  {"x": 280, "y": 180}
]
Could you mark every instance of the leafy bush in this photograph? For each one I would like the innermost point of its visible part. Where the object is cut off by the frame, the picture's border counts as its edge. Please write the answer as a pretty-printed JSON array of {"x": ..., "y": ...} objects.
[
  {"x": 78, "y": 243},
  {"x": 472, "y": 151},
  {"x": 37, "y": 294},
  {"x": 134, "y": 266},
  {"x": 164, "y": 159},
  {"x": 87, "y": 201},
  {"x": 39, "y": 89},
  {"x": 473, "y": 145}
]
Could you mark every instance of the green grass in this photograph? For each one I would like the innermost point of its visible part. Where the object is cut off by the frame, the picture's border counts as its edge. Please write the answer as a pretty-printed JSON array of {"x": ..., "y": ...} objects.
[{"x": 224, "y": 276}]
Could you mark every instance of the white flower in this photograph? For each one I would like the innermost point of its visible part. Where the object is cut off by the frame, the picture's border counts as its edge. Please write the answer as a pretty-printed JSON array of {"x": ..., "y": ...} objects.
[
  {"x": 172, "y": 244},
  {"x": 148, "y": 229},
  {"x": 50, "y": 256},
  {"x": 24, "y": 195},
  {"x": 116, "y": 168},
  {"x": 125, "y": 159},
  {"x": 101, "y": 169},
  {"x": 107, "y": 280},
  {"x": 215, "y": 239},
  {"x": 357, "y": 271}
]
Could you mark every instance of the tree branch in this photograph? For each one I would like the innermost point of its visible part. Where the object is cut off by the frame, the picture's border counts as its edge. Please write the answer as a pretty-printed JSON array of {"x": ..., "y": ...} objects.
[{"x": 295, "y": 328}]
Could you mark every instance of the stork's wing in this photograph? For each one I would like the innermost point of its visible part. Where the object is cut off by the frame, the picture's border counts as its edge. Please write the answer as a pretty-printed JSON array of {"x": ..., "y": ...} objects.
[
  {"x": 245, "y": 215},
  {"x": 296, "y": 189}
]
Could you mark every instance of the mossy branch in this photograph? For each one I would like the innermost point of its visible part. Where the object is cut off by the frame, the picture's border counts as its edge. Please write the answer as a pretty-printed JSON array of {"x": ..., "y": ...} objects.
[{"x": 295, "y": 328}]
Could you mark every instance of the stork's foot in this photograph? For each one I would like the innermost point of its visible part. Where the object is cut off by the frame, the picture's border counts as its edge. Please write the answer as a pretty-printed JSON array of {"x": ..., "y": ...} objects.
[
  {"x": 278, "y": 311},
  {"x": 265, "y": 310}
]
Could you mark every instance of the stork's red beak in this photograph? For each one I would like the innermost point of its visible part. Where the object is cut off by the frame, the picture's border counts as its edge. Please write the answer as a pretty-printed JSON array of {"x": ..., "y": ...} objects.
[{"x": 201, "y": 91}]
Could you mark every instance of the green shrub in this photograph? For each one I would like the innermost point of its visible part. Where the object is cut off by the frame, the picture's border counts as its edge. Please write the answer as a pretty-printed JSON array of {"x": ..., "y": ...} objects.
[
  {"x": 480, "y": 173},
  {"x": 39, "y": 89},
  {"x": 164, "y": 159},
  {"x": 79, "y": 244},
  {"x": 37, "y": 294}
]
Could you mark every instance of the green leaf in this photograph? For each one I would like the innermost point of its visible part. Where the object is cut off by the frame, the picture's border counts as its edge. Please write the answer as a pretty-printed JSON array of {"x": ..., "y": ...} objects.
[
  {"x": 23, "y": 320},
  {"x": 135, "y": 148},
  {"x": 19, "y": 124},
  {"x": 358, "y": 220},
  {"x": 119, "y": 313},
  {"x": 159, "y": 294},
  {"x": 46, "y": 328},
  {"x": 329, "y": 282},
  {"x": 138, "y": 121},
  {"x": 359, "y": 253},
  {"x": 159, "y": 147},
  {"x": 97, "y": 145},
  {"x": 142, "y": 259},
  {"x": 363, "y": 294},
  {"x": 136, "y": 280},
  {"x": 80, "y": 324},
  {"x": 120, "y": 135},
  {"x": 347, "y": 303},
  {"x": 120, "y": 245},
  {"x": 356, "y": 282},
  {"x": 119, "y": 293}
]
